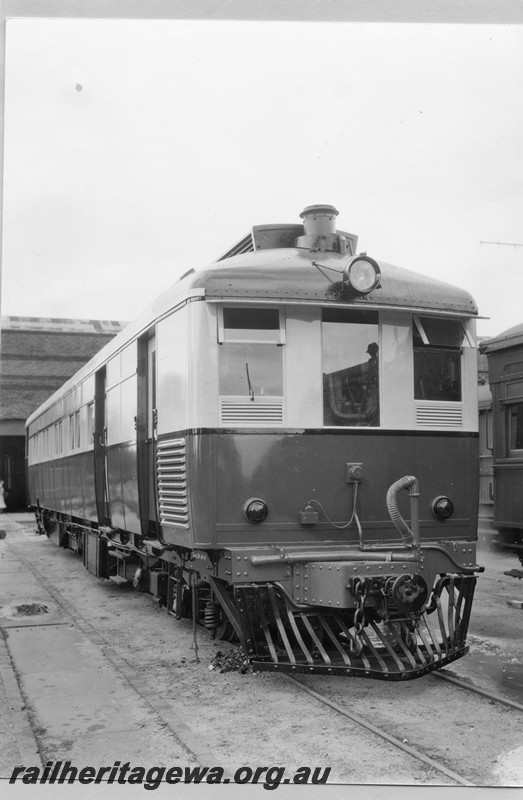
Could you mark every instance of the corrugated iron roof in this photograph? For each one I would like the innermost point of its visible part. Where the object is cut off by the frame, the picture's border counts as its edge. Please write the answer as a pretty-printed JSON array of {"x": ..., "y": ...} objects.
[{"x": 10, "y": 323}]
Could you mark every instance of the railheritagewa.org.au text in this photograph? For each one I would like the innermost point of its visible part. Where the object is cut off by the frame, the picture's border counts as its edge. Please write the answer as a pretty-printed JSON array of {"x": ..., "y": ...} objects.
[{"x": 57, "y": 772}]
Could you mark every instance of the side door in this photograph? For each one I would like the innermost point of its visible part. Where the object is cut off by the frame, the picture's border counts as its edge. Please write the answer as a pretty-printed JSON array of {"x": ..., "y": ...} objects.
[
  {"x": 100, "y": 441},
  {"x": 146, "y": 434}
]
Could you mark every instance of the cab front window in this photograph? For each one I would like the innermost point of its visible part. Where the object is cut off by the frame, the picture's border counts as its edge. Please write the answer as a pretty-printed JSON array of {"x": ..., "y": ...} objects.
[
  {"x": 350, "y": 357},
  {"x": 251, "y": 365},
  {"x": 251, "y": 360}
]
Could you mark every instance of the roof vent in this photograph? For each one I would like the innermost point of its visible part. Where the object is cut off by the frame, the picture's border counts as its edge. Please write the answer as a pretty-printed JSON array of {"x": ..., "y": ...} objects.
[
  {"x": 319, "y": 220},
  {"x": 319, "y": 224},
  {"x": 318, "y": 232}
]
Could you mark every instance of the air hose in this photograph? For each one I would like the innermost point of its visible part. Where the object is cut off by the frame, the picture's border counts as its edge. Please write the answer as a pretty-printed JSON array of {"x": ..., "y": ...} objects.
[{"x": 410, "y": 537}]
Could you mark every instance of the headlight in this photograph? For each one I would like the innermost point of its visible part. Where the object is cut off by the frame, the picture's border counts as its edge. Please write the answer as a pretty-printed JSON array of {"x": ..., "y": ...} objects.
[
  {"x": 255, "y": 510},
  {"x": 442, "y": 507},
  {"x": 361, "y": 276}
]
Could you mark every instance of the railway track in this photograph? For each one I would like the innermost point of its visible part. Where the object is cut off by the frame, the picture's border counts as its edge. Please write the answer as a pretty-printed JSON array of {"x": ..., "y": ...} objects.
[
  {"x": 399, "y": 744},
  {"x": 469, "y": 687},
  {"x": 402, "y": 744}
]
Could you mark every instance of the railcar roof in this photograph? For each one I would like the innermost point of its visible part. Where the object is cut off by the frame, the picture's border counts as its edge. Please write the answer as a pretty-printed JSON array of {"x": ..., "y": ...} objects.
[
  {"x": 299, "y": 275},
  {"x": 512, "y": 337}
]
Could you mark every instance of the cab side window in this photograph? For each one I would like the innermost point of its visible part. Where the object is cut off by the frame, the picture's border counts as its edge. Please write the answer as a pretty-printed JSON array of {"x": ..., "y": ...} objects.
[{"x": 437, "y": 358}]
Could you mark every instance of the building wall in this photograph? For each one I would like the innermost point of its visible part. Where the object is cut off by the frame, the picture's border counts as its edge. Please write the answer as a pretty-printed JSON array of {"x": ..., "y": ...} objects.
[{"x": 36, "y": 357}]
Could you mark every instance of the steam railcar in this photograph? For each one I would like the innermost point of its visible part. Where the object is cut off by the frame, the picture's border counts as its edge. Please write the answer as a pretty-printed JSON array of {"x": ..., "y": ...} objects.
[{"x": 285, "y": 447}]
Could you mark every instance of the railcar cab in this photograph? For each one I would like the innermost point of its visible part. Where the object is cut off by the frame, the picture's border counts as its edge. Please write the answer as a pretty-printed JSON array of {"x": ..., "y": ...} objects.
[
  {"x": 274, "y": 383},
  {"x": 293, "y": 374}
]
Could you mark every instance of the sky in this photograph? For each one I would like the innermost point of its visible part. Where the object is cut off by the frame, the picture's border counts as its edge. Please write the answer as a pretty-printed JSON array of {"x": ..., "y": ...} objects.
[{"x": 137, "y": 149}]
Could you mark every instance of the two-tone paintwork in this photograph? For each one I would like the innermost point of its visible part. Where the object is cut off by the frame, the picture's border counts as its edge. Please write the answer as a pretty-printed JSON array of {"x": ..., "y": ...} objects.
[{"x": 299, "y": 463}]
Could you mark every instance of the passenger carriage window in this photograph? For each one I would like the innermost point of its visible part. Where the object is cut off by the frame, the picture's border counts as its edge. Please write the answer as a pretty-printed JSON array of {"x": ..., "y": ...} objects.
[
  {"x": 90, "y": 424},
  {"x": 251, "y": 360},
  {"x": 437, "y": 358},
  {"x": 77, "y": 428},
  {"x": 58, "y": 438},
  {"x": 350, "y": 358},
  {"x": 489, "y": 430},
  {"x": 515, "y": 429}
]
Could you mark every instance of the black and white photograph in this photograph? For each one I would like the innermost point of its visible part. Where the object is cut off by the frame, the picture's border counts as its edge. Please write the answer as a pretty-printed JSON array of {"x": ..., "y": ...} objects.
[{"x": 261, "y": 399}]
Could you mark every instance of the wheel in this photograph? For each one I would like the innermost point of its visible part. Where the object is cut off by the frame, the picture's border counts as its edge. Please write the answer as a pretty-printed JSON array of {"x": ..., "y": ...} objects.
[{"x": 225, "y": 631}]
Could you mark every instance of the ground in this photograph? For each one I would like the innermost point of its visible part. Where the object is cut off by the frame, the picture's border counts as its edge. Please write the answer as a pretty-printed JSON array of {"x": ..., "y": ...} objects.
[{"x": 111, "y": 676}]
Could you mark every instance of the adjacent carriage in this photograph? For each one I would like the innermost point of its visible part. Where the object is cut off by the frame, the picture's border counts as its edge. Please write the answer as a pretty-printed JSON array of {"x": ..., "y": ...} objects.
[
  {"x": 285, "y": 447},
  {"x": 505, "y": 363}
]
